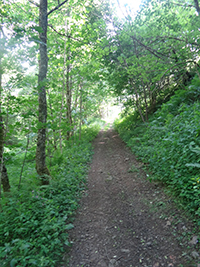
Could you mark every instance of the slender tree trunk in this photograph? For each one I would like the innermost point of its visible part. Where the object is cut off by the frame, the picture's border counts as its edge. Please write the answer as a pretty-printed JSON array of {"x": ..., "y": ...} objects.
[
  {"x": 1, "y": 131},
  {"x": 138, "y": 105},
  {"x": 4, "y": 180},
  {"x": 23, "y": 164},
  {"x": 145, "y": 99},
  {"x": 41, "y": 167},
  {"x": 68, "y": 86},
  {"x": 53, "y": 121},
  {"x": 3, "y": 171},
  {"x": 80, "y": 103},
  {"x": 196, "y": 2},
  {"x": 137, "y": 101},
  {"x": 68, "y": 99},
  {"x": 60, "y": 120},
  {"x": 75, "y": 105},
  {"x": 63, "y": 87}
]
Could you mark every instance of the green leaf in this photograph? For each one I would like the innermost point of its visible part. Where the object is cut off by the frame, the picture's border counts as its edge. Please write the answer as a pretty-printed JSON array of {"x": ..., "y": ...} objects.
[
  {"x": 13, "y": 263},
  {"x": 67, "y": 243},
  {"x": 69, "y": 226},
  {"x": 33, "y": 261}
]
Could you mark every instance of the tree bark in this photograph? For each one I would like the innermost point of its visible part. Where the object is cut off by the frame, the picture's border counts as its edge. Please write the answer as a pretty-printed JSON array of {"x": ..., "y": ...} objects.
[
  {"x": 80, "y": 111},
  {"x": 68, "y": 99},
  {"x": 54, "y": 142},
  {"x": 68, "y": 85},
  {"x": 4, "y": 180},
  {"x": 3, "y": 171},
  {"x": 41, "y": 167},
  {"x": 196, "y": 2}
]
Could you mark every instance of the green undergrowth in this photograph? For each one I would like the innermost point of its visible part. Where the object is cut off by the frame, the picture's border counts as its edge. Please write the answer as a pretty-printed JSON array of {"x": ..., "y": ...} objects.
[
  {"x": 34, "y": 221},
  {"x": 170, "y": 145}
]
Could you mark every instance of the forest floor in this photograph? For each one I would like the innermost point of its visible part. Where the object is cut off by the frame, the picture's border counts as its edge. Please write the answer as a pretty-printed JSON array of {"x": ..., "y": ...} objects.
[{"x": 124, "y": 219}]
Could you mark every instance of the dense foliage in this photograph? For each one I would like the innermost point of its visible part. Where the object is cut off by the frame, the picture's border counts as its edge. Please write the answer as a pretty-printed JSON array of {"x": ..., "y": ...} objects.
[
  {"x": 49, "y": 72},
  {"x": 153, "y": 66},
  {"x": 170, "y": 144},
  {"x": 151, "y": 55},
  {"x": 34, "y": 221},
  {"x": 51, "y": 91}
]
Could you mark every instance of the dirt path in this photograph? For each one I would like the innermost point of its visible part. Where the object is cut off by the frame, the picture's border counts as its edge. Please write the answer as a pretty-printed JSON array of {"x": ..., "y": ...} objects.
[{"x": 124, "y": 220}]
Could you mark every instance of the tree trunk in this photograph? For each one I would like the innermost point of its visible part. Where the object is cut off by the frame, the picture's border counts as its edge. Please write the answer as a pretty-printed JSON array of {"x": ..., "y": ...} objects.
[
  {"x": 68, "y": 85},
  {"x": 68, "y": 100},
  {"x": 138, "y": 105},
  {"x": 5, "y": 180},
  {"x": 3, "y": 171},
  {"x": 196, "y": 2},
  {"x": 145, "y": 99},
  {"x": 41, "y": 167},
  {"x": 60, "y": 120},
  {"x": 80, "y": 119},
  {"x": 54, "y": 142}
]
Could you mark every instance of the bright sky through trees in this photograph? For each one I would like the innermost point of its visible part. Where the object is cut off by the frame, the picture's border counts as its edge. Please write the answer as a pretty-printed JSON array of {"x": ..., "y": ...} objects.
[{"x": 126, "y": 6}]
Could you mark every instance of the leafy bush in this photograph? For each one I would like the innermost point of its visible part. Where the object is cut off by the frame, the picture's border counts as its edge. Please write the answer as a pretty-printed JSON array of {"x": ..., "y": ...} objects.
[{"x": 34, "y": 223}]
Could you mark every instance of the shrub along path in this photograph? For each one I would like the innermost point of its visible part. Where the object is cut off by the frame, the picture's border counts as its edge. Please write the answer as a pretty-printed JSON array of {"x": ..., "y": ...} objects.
[{"x": 124, "y": 220}]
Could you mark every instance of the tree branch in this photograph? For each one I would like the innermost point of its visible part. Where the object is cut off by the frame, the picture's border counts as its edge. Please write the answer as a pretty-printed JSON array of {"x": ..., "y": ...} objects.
[
  {"x": 32, "y": 2},
  {"x": 63, "y": 34},
  {"x": 178, "y": 39},
  {"x": 178, "y": 4},
  {"x": 57, "y": 7},
  {"x": 152, "y": 51}
]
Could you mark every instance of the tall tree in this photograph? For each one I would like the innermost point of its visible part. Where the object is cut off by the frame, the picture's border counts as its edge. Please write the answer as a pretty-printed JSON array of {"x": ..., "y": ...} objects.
[
  {"x": 41, "y": 167},
  {"x": 3, "y": 171}
]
